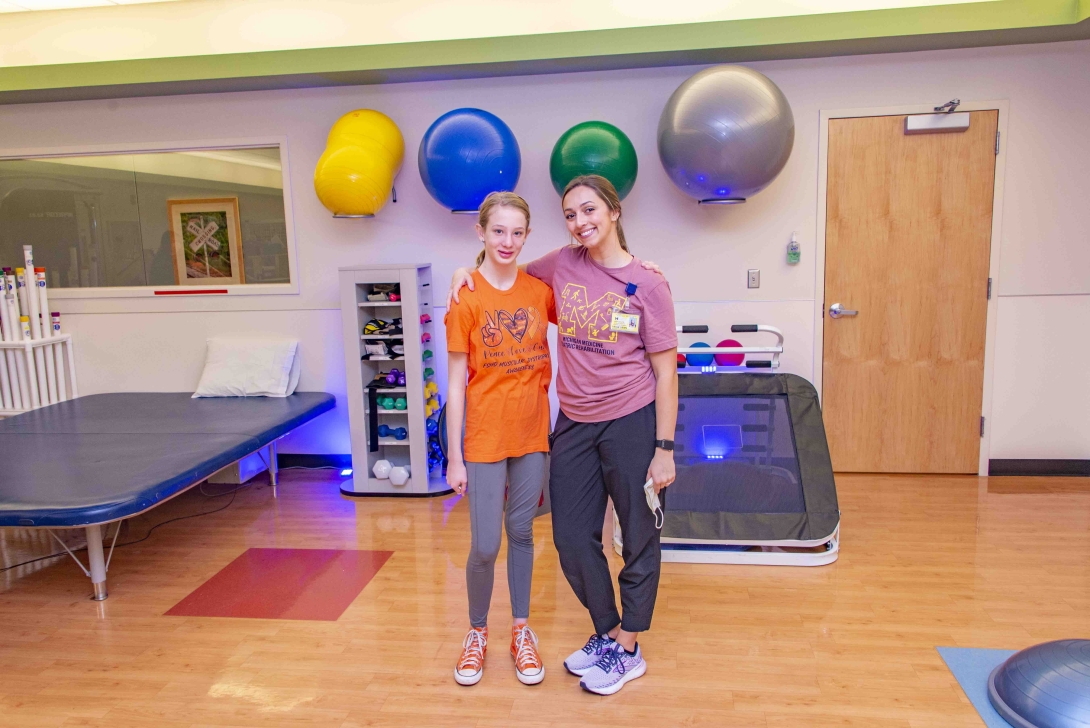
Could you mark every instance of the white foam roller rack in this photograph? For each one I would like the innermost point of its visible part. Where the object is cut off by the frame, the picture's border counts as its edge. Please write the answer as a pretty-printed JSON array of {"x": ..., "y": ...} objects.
[{"x": 25, "y": 375}]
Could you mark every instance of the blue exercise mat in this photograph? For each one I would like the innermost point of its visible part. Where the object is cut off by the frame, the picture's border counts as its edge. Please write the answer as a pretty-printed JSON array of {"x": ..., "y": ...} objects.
[
  {"x": 971, "y": 667},
  {"x": 109, "y": 456}
]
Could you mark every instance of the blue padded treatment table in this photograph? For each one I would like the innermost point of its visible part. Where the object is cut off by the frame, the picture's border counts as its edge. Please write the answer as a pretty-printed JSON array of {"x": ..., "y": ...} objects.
[{"x": 94, "y": 460}]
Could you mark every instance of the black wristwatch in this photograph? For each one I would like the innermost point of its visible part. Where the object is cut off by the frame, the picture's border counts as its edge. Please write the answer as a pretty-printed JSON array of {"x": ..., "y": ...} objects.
[{"x": 667, "y": 445}]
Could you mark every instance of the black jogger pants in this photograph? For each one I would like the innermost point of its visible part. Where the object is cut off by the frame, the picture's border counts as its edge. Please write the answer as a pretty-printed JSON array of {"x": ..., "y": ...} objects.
[{"x": 589, "y": 462}]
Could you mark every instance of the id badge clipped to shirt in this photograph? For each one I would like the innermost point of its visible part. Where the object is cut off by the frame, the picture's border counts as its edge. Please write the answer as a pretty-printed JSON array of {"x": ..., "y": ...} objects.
[{"x": 625, "y": 323}]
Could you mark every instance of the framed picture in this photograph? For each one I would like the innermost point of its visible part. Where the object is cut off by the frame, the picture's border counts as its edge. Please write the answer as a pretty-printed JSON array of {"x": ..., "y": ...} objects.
[{"x": 206, "y": 242}]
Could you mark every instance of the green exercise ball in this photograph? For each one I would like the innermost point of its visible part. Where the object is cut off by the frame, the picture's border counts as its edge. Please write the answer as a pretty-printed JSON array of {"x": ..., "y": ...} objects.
[{"x": 594, "y": 147}]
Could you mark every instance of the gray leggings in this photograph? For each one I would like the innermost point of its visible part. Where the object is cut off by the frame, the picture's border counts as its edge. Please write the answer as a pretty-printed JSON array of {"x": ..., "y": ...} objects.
[{"x": 524, "y": 477}]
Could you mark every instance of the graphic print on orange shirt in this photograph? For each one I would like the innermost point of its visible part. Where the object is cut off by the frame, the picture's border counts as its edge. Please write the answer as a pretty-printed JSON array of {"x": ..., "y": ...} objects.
[
  {"x": 517, "y": 324},
  {"x": 585, "y": 319}
]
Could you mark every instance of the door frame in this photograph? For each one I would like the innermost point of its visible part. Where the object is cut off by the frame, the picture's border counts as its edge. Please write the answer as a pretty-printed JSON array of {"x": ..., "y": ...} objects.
[{"x": 1003, "y": 107}]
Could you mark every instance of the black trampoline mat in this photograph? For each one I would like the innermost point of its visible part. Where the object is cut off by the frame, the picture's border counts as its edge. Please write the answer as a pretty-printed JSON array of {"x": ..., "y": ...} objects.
[{"x": 735, "y": 454}]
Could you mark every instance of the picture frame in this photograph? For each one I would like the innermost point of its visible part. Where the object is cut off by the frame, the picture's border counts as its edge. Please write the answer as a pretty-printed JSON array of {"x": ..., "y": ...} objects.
[{"x": 206, "y": 241}]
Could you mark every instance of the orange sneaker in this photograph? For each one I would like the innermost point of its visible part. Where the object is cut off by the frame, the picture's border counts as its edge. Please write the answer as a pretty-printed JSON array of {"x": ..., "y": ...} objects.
[
  {"x": 528, "y": 666},
  {"x": 471, "y": 664}
]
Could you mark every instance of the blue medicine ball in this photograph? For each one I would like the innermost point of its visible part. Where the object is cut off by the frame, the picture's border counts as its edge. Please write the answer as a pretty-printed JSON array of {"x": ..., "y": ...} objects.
[
  {"x": 466, "y": 154},
  {"x": 700, "y": 360}
]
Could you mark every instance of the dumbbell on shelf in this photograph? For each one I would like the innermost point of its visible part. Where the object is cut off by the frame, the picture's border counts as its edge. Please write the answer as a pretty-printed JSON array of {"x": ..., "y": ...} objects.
[{"x": 398, "y": 433}]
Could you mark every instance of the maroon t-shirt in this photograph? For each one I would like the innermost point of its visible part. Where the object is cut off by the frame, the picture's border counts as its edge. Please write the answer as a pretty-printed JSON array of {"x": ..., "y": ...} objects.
[{"x": 605, "y": 374}]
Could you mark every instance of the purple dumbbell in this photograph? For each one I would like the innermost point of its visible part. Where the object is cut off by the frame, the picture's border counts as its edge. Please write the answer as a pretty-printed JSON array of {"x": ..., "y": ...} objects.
[
  {"x": 393, "y": 376},
  {"x": 401, "y": 379}
]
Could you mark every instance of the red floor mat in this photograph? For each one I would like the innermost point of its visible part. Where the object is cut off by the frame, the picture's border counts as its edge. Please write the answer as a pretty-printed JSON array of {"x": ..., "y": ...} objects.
[{"x": 314, "y": 584}]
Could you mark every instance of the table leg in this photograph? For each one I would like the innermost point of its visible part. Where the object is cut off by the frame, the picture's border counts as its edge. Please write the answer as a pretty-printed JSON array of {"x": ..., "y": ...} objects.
[
  {"x": 273, "y": 469},
  {"x": 97, "y": 562}
]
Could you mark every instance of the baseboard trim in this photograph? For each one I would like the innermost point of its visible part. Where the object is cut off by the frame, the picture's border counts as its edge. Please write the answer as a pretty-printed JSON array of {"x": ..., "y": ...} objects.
[
  {"x": 1039, "y": 467},
  {"x": 292, "y": 460}
]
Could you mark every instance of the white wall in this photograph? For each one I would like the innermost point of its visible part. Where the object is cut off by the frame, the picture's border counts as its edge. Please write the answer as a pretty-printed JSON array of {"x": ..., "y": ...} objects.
[{"x": 157, "y": 344}]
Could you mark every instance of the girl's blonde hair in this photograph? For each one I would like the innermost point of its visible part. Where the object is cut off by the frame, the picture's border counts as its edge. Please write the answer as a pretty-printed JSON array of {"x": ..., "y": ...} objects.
[
  {"x": 500, "y": 199},
  {"x": 606, "y": 192}
]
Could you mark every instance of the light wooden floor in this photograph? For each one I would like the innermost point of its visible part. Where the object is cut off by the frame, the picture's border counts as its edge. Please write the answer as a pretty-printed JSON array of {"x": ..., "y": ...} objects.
[{"x": 926, "y": 561}]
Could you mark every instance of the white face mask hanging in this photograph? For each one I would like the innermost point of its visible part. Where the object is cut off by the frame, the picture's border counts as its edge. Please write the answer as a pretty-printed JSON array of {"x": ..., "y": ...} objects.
[{"x": 653, "y": 503}]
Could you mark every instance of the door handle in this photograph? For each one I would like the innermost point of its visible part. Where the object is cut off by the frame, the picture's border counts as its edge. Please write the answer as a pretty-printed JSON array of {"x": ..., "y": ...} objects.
[{"x": 836, "y": 311}]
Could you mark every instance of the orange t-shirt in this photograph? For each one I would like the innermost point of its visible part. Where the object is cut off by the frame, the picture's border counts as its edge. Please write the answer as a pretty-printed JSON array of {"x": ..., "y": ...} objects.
[{"x": 504, "y": 334}]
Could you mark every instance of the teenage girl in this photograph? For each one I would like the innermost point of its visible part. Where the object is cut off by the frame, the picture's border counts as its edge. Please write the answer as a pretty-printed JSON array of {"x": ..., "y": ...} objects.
[
  {"x": 496, "y": 335},
  {"x": 617, "y": 385}
]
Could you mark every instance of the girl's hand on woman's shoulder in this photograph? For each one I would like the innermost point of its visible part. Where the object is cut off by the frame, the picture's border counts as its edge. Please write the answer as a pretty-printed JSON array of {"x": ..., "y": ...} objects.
[
  {"x": 461, "y": 277},
  {"x": 647, "y": 265}
]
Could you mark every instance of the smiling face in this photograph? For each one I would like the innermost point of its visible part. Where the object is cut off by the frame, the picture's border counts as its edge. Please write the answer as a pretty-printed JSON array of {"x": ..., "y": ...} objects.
[
  {"x": 504, "y": 235},
  {"x": 590, "y": 221}
]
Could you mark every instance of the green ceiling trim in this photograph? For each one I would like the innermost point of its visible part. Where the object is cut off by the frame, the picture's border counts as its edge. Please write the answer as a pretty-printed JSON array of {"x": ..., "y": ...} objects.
[{"x": 984, "y": 23}]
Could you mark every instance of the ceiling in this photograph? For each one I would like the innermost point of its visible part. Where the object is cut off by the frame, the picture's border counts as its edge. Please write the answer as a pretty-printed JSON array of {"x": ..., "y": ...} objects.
[
  {"x": 196, "y": 46},
  {"x": 22, "y": 6}
]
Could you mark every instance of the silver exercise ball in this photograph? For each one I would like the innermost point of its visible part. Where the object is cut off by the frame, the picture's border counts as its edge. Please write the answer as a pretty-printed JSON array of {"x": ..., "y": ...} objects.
[
  {"x": 725, "y": 134},
  {"x": 1044, "y": 686}
]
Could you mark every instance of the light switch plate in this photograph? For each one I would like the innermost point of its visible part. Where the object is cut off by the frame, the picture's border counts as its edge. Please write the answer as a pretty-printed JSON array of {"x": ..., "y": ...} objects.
[{"x": 754, "y": 278}]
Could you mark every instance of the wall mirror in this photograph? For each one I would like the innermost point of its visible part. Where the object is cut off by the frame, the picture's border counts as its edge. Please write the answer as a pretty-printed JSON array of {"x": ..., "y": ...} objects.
[{"x": 191, "y": 219}]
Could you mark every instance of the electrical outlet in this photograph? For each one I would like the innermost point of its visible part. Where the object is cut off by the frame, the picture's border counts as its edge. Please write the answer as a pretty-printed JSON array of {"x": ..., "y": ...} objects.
[{"x": 754, "y": 278}]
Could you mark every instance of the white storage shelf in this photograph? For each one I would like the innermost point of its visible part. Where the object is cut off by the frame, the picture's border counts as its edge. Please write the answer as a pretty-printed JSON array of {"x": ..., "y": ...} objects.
[{"x": 415, "y": 288}]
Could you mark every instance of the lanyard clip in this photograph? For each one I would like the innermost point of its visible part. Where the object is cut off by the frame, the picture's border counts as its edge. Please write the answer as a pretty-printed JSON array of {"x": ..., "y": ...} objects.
[{"x": 630, "y": 289}]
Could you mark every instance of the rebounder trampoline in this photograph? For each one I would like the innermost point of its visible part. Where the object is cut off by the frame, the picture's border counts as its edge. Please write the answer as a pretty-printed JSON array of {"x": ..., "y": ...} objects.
[{"x": 754, "y": 479}]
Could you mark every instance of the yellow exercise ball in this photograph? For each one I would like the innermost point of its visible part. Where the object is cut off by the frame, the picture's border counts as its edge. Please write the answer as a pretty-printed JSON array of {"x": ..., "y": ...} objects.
[
  {"x": 369, "y": 125},
  {"x": 353, "y": 181},
  {"x": 355, "y": 174}
]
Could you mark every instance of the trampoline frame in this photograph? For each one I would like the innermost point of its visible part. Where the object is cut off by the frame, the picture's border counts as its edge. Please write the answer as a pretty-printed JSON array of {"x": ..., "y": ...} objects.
[{"x": 818, "y": 541}]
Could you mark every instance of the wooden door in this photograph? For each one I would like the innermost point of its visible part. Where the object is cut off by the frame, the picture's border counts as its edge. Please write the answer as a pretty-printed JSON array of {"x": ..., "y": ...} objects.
[{"x": 907, "y": 245}]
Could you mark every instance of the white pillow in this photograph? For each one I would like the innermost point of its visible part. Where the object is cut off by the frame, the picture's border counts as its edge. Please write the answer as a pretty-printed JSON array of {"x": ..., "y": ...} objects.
[{"x": 249, "y": 367}]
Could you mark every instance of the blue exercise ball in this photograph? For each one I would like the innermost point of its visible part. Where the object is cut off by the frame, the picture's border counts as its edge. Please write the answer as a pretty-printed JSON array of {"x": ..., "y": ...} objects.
[{"x": 466, "y": 154}]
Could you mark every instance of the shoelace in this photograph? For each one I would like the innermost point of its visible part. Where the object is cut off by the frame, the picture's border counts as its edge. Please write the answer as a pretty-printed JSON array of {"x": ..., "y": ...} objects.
[
  {"x": 472, "y": 650},
  {"x": 612, "y": 659},
  {"x": 526, "y": 647},
  {"x": 595, "y": 644}
]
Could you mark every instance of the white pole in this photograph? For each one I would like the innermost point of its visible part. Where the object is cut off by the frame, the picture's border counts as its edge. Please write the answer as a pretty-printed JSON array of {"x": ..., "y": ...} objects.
[
  {"x": 20, "y": 289},
  {"x": 35, "y": 325},
  {"x": 58, "y": 353},
  {"x": 71, "y": 366},
  {"x": 19, "y": 370},
  {"x": 5, "y": 385},
  {"x": 10, "y": 383},
  {"x": 35, "y": 401},
  {"x": 47, "y": 333}
]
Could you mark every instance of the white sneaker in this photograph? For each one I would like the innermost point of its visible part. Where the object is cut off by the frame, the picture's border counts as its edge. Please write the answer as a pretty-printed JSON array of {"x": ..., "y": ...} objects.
[
  {"x": 580, "y": 661},
  {"x": 611, "y": 672}
]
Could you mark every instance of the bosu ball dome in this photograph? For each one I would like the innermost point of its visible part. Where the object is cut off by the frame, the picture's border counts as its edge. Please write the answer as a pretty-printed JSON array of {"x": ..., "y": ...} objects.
[{"x": 1044, "y": 686}]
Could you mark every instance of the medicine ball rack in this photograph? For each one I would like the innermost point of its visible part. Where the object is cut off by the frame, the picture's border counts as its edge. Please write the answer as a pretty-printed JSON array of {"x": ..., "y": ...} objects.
[{"x": 414, "y": 310}]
